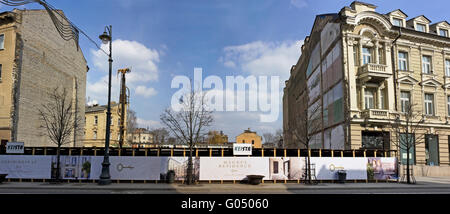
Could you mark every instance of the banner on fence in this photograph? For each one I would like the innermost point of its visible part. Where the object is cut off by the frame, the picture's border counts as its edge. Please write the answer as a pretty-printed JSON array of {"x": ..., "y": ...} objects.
[
  {"x": 129, "y": 168},
  {"x": 15, "y": 148},
  {"x": 286, "y": 168},
  {"x": 326, "y": 168},
  {"x": 26, "y": 166},
  {"x": 233, "y": 168},
  {"x": 73, "y": 167},
  {"x": 242, "y": 149},
  {"x": 382, "y": 168},
  {"x": 179, "y": 166},
  {"x": 205, "y": 168}
]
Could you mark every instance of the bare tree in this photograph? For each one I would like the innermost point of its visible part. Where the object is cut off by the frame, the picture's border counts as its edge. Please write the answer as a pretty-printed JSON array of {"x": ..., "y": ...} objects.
[
  {"x": 188, "y": 123},
  {"x": 305, "y": 124},
  {"x": 160, "y": 136},
  {"x": 60, "y": 120},
  {"x": 405, "y": 129},
  {"x": 273, "y": 138},
  {"x": 131, "y": 125}
]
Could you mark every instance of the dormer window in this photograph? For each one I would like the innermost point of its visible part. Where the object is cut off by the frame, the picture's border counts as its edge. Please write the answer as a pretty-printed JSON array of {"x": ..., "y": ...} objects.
[
  {"x": 421, "y": 27},
  {"x": 443, "y": 32},
  {"x": 397, "y": 22}
]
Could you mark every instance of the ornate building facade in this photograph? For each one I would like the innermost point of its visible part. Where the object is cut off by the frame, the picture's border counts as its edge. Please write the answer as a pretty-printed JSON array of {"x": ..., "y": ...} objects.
[{"x": 362, "y": 69}]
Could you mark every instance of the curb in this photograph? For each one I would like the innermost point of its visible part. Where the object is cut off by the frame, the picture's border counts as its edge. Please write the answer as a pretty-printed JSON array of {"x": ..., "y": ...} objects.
[{"x": 249, "y": 187}]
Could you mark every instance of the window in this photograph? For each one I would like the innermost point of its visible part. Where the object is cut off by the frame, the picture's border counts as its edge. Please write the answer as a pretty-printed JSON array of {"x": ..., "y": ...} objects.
[
  {"x": 375, "y": 140},
  {"x": 421, "y": 27},
  {"x": 443, "y": 32},
  {"x": 369, "y": 99},
  {"x": 429, "y": 104},
  {"x": 355, "y": 55},
  {"x": 448, "y": 105},
  {"x": 381, "y": 56},
  {"x": 2, "y": 41},
  {"x": 405, "y": 99},
  {"x": 1, "y": 66},
  {"x": 404, "y": 146},
  {"x": 95, "y": 134},
  {"x": 382, "y": 99},
  {"x": 403, "y": 61},
  {"x": 431, "y": 150},
  {"x": 397, "y": 22},
  {"x": 95, "y": 120},
  {"x": 367, "y": 55},
  {"x": 253, "y": 141},
  {"x": 426, "y": 64},
  {"x": 447, "y": 67}
]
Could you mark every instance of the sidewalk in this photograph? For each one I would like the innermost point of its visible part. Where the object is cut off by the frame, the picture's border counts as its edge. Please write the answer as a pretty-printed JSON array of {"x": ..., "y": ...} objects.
[{"x": 422, "y": 182}]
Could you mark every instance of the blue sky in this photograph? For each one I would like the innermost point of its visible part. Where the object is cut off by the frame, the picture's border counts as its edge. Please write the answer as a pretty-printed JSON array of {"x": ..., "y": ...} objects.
[{"x": 164, "y": 38}]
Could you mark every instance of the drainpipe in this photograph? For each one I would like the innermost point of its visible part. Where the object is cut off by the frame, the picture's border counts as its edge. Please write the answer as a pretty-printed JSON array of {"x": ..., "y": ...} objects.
[{"x": 393, "y": 66}]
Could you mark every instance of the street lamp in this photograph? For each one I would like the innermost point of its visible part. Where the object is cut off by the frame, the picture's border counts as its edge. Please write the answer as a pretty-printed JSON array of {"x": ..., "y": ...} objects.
[{"x": 105, "y": 177}]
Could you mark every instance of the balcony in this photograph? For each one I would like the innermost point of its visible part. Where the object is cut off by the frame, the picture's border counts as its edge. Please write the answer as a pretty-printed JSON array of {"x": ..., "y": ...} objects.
[
  {"x": 375, "y": 114},
  {"x": 373, "y": 73}
]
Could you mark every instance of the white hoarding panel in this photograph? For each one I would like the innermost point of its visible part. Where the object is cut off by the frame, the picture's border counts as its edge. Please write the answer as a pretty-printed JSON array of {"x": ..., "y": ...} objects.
[
  {"x": 327, "y": 168},
  {"x": 179, "y": 166},
  {"x": 26, "y": 166},
  {"x": 233, "y": 168},
  {"x": 73, "y": 167},
  {"x": 286, "y": 168},
  {"x": 129, "y": 168}
]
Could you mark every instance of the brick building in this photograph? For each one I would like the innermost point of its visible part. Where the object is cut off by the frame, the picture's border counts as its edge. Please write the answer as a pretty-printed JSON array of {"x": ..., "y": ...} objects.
[{"x": 35, "y": 59}]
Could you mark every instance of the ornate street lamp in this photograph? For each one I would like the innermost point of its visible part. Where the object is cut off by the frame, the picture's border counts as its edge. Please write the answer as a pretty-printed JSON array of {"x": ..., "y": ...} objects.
[{"x": 105, "y": 177}]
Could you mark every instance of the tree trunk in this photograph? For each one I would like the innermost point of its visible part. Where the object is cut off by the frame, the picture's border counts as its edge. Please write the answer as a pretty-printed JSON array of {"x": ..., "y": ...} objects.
[
  {"x": 58, "y": 164},
  {"x": 308, "y": 166},
  {"x": 189, "y": 168}
]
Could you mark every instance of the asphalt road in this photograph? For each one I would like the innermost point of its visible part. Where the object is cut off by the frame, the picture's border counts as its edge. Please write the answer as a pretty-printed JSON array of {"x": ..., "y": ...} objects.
[{"x": 407, "y": 190}]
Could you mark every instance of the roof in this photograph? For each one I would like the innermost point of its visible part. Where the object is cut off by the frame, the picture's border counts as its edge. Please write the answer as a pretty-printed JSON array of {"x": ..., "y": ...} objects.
[{"x": 98, "y": 107}]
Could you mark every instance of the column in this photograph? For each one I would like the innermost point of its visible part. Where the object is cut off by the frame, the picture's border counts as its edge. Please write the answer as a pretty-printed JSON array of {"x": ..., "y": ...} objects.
[
  {"x": 377, "y": 58},
  {"x": 363, "y": 106},
  {"x": 379, "y": 97},
  {"x": 360, "y": 52}
]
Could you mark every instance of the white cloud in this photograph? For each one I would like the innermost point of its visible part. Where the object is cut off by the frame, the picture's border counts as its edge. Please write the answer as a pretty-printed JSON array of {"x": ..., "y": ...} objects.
[
  {"x": 144, "y": 91},
  {"x": 148, "y": 123},
  {"x": 299, "y": 3},
  {"x": 263, "y": 58},
  {"x": 126, "y": 54}
]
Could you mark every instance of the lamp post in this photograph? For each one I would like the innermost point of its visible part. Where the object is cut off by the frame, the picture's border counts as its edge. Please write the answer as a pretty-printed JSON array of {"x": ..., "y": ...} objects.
[{"x": 105, "y": 177}]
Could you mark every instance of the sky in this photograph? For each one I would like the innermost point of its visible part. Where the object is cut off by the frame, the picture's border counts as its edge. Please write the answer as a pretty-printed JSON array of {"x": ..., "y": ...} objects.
[{"x": 161, "y": 39}]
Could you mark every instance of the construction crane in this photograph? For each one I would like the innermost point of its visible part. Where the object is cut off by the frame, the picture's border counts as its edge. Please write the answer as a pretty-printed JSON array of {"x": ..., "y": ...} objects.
[{"x": 123, "y": 104}]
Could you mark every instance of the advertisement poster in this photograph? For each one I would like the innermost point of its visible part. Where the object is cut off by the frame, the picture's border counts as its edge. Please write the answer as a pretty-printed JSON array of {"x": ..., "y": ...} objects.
[
  {"x": 179, "y": 166},
  {"x": 382, "y": 168},
  {"x": 128, "y": 168},
  {"x": 73, "y": 167},
  {"x": 326, "y": 167},
  {"x": 26, "y": 166},
  {"x": 233, "y": 168},
  {"x": 286, "y": 168}
]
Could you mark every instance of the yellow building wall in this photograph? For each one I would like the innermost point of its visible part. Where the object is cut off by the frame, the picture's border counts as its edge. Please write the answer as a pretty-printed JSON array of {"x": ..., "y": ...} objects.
[
  {"x": 100, "y": 127},
  {"x": 6, "y": 82},
  {"x": 248, "y": 138}
]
